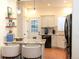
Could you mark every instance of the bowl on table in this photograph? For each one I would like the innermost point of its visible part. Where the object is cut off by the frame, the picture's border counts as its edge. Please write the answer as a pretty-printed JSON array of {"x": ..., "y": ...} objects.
[{"x": 18, "y": 39}]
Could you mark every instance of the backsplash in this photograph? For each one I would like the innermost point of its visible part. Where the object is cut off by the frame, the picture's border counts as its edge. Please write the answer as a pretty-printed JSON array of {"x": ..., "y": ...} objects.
[{"x": 50, "y": 30}]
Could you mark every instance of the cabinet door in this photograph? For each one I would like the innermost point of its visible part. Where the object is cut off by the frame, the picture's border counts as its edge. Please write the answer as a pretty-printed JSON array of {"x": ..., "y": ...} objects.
[
  {"x": 54, "y": 41},
  {"x": 61, "y": 41},
  {"x": 48, "y": 21},
  {"x": 51, "y": 20},
  {"x": 44, "y": 21}
]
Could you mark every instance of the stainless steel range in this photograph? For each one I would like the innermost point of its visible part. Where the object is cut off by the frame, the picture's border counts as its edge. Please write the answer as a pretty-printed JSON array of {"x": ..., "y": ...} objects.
[{"x": 48, "y": 40}]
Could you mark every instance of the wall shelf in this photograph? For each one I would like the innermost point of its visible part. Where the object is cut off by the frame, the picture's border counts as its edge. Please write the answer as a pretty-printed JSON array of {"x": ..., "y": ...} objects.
[
  {"x": 10, "y": 18},
  {"x": 10, "y": 26},
  {"x": 11, "y": 23}
]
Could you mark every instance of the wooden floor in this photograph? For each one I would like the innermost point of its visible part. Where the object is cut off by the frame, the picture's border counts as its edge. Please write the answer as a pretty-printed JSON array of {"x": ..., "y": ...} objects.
[{"x": 55, "y": 53}]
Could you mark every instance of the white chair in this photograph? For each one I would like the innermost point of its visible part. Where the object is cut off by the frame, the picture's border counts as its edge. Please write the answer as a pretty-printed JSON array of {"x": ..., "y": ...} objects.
[
  {"x": 10, "y": 51},
  {"x": 31, "y": 51}
]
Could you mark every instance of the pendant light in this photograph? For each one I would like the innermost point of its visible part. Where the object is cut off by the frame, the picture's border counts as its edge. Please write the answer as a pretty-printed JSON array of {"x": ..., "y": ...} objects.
[
  {"x": 34, "y": 4},
  {"x": 32, "y": 12},
  {"x": 34, "y": 9},
  {"x": 18, "y": 7}
]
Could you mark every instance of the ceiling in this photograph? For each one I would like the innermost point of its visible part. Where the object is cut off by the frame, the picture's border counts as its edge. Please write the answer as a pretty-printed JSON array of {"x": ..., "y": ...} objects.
[
  {"x": 47, "y": 6},
  {"x": 45, "y": 3}
]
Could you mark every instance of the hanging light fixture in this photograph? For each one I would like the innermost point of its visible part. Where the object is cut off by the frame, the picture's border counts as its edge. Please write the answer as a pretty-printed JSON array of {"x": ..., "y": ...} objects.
[
  {"x": 18, "y": 7},
  {"x": 32, "y": 12},
  {"x": 18, "y": 10}
]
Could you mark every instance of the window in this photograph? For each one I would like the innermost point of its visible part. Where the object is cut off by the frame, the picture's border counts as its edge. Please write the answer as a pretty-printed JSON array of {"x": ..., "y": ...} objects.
[{"x": 34, "y": 26}]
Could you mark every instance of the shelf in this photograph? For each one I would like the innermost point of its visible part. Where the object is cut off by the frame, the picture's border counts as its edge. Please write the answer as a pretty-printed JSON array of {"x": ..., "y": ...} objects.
[
  {"x": 49, "y": 27},
  {"x": 10, "y": 26},
  {"x": 9, "y": 18}
]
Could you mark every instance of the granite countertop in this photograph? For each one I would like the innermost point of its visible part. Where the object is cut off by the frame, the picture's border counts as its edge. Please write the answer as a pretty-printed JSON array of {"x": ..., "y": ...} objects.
[
  {"x": 59, "y": 33},
  {"x": 27, "y": 42}
]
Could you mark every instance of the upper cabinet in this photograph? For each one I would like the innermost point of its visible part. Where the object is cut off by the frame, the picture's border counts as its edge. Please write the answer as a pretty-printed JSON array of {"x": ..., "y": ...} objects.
[{"x": 48, "y": 21}]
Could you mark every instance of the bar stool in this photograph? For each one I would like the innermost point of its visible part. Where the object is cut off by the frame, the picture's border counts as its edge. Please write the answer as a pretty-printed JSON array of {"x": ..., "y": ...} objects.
[
  {"x": 31, "y": 51},
  {"x": 10, "y": 51}
]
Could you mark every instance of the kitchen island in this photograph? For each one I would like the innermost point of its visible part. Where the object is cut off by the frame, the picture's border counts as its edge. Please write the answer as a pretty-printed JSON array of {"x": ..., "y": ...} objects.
[{"x": 35, "y": 42}]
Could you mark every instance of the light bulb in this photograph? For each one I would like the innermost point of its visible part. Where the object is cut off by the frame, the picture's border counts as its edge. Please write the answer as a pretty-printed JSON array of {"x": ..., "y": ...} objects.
[
  {"x": 65, "y": 1},
  {"x": 32, "y": 13},
  {"x": 18, "y": 11},
  {"x": 49, "y": 4}
]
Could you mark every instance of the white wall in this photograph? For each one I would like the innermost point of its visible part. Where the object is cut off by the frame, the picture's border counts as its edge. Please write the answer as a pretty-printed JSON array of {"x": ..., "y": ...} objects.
[
  {"x": 3, "y": 14},
  {"x": 20, "y": 22},
  {"x": 3, "y": 5},
  {"x": 13, "y": 5},
  {"x": 2, "y": 22},
  {"x": 75, "y": 30}
]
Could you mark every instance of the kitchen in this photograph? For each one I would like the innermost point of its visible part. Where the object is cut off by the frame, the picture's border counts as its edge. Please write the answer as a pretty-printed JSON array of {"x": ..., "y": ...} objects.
[
  {"x": 43, "y": 25},
  {"x": 47, "y": 17}
]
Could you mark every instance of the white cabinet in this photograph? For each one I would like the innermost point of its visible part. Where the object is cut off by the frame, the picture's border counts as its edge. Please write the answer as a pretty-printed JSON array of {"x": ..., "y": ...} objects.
[
  {"x": 54, "y": 41},
  {"x": 61, "y": 42},
  {"x": 44, "y": 21},
  {"x": 48, "y": 21}
]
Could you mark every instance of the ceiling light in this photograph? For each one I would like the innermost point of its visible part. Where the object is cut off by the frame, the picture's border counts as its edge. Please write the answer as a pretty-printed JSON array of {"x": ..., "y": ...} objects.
[
  {"x": 65, "y": 1},
  {"x": 49, "y": 4},
  {"x": 18, "y": 11},
  {"x": 32, "y": 12},
  {"x": 25, "y": 0}
]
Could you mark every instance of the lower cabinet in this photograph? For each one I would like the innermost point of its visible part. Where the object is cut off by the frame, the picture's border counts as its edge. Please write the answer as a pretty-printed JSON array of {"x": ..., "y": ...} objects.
[
  {"x": 54, "y": 41},
  {"x": 61, "y": 42},
  {"x": 58, "y": 41}
]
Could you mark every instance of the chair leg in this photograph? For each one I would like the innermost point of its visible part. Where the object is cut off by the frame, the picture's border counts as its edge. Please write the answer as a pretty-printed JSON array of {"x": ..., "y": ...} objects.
[
  {"x": 3, "y": 58},
  {"x": 40, "y": 57},
  {"x": 10, "y": 57},
  {"x": 18, "y": 57}
]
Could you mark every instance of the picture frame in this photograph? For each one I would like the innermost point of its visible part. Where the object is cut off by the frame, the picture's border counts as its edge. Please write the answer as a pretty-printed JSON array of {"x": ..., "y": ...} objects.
[{"x": 9, "y": 11}]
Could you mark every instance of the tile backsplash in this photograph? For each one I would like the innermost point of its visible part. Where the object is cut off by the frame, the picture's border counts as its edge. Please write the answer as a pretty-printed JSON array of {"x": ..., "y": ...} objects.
[{"x": 50, "y": 30}]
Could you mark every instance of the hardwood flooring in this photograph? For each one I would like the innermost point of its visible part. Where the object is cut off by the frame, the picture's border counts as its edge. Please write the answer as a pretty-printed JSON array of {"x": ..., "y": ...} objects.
[{"x": 55, "y": 53}]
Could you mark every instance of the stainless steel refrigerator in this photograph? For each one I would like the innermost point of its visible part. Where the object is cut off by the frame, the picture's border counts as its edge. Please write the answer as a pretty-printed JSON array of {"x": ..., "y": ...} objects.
[{"x": 68, "y": 34}]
